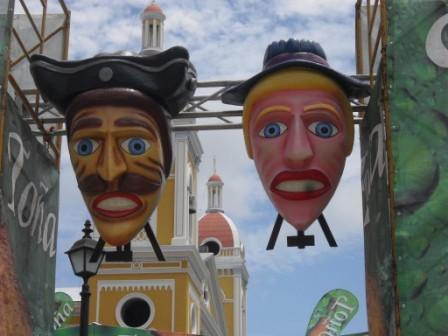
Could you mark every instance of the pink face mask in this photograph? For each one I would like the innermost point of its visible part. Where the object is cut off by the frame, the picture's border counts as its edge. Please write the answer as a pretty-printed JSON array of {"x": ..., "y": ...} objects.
[{"x": 298, "y": 144}]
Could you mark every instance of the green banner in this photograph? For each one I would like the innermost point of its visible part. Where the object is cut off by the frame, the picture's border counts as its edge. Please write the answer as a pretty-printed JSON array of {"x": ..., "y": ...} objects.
[
  {"x": 28, "y": 228},
  {"x": 332, "y": 313},
  {"x": 377, "y": 227},
  {"x": 417, "y": 70},
  {"x": 96, "y": 330}
]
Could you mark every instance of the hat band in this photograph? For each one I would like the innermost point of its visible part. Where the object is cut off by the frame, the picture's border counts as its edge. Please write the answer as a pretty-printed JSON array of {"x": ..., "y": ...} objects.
[{"x": 297, "y": 56}]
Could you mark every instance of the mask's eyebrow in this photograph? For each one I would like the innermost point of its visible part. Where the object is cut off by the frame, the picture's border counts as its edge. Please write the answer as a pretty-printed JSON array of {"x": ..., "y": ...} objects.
[
  {"x": 91, "y": 122},
  {"x": 272, "y": 108},
  {"x": 134, "y": 122},
  {"x": 322, "y": 106}
]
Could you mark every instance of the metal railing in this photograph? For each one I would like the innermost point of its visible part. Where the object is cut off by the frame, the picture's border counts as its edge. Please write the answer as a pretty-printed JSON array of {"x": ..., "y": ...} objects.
[{"x": 231, "y": 252}]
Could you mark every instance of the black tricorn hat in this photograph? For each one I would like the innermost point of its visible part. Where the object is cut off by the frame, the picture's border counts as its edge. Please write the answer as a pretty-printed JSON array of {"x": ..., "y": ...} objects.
[
  {"x": 159, "y": 82},
  {"x": 168, "y": 77},
  {"x": 302, "y": 54}
]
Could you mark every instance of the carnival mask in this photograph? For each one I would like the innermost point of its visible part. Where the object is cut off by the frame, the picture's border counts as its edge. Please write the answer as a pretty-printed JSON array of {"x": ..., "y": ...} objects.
[
  {"x": 117, "y": 110},
  {"x": 117, "y": 156},
  {"x": 298, "y": 146},
  {"x": 298, "y": 129}
]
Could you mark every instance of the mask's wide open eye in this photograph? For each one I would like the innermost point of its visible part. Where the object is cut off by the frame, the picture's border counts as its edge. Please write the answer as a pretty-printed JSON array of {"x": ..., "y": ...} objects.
[
  {"x": 135, "y": 145},
  {"x": 85, "y": 146},
  {"x": 272, "y": 130},
  {"x": 323, "y": 129}
]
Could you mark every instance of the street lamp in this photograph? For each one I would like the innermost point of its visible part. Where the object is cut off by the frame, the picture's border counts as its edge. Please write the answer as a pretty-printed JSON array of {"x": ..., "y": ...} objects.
[{"x": 80, "y": 257}]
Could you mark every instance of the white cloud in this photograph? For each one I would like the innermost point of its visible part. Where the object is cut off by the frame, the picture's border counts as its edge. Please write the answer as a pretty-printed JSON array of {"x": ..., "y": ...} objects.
[{"x": 323, "y": 9}]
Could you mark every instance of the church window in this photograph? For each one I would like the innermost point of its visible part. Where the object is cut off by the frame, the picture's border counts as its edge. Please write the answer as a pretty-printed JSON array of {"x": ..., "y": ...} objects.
[{"x": 135, "y": 311}]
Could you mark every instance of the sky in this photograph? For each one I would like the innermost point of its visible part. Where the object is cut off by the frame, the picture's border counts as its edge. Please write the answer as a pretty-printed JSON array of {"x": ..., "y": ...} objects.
[{"x": 226, "y": 40}]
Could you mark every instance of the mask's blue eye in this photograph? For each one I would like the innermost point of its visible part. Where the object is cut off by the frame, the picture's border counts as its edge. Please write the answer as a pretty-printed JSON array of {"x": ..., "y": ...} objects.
[
  {"x": 135, "y": 146},
  {"x": 85, "y": 146},
  {"x": 323, "y": 129},
  {"x": 273, "y": 130}
]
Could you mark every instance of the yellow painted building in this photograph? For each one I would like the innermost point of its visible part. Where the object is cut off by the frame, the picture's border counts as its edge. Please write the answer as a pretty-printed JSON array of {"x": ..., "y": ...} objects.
[{"x": 198, "y": 289}]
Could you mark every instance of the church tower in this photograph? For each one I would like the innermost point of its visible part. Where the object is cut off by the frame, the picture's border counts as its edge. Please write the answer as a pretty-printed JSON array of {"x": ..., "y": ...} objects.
[
  {"x": 152, "y": 27},
  {"x": 219, "y": 235},
  {"x": 214, "y": 186}
]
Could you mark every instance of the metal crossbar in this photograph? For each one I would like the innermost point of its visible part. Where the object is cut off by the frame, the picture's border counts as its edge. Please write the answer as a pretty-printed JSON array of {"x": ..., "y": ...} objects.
[{"x": 196, "y": 109}]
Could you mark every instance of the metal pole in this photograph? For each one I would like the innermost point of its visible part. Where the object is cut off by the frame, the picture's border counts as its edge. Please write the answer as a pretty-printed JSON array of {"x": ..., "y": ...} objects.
[{"x": 85, "y": 297}]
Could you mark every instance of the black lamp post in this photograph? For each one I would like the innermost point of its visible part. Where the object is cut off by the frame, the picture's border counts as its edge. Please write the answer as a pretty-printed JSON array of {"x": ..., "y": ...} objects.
[{"x": 80, "y": 257}]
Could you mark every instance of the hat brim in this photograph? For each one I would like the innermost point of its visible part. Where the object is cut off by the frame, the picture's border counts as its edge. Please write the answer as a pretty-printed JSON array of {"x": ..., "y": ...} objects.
[
  {"x": 168, "y": 77},
  {"x": 354, "y": 88}
]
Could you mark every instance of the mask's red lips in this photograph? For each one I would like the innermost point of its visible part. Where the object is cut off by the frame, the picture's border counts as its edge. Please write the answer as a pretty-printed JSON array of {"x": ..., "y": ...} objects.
[
  {"x": 116, "y": 204},
  {"x": 301, "y": 185}
]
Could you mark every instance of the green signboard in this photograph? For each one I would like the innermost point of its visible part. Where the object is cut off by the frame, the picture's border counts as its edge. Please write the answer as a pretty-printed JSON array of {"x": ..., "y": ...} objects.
[
  {"x": 417, "y": 73},
  {"x": 64, "y": 307},
  {"x": 332, "y": 313},
  {"x": 28, "y": 229}
]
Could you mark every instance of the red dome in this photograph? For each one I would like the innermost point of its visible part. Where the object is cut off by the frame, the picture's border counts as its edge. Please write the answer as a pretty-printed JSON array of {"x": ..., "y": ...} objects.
[
  {"x": 216, "y": 225},
  {"x": 214, "y": 178},
  {"x": 153, "y": 8}
]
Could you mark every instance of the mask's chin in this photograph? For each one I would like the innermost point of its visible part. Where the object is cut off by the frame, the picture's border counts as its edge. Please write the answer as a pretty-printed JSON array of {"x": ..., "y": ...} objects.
[
  {"x": 119, "y": 232},
  {"x": 123, "y": 224},
  {"x": 301, "y": 214},
  {"x": 301, "y": 223}
]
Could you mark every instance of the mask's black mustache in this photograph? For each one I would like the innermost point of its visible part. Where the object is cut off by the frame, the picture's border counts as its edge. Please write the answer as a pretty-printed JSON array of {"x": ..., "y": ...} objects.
[{"x": 130, "y": 183}]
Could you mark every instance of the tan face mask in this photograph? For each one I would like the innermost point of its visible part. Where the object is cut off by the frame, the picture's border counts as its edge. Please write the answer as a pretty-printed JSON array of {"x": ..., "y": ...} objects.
[{"x": 117, "y": 156}]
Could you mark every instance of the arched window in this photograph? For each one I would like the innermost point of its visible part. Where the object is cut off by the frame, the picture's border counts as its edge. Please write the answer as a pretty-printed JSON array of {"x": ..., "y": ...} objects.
[{"x": 212, "y": 246}]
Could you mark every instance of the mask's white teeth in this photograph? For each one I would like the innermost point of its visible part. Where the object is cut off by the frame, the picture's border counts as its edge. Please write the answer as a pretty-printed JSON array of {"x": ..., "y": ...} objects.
[
  {"x": 116, "y": 204},
  {"x": 299, "y": 185}
]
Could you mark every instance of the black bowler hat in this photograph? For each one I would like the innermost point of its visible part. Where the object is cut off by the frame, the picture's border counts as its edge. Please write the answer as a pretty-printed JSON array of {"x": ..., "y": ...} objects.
[
  {"x": 168, "y": 77},
  {"x": 302, "y": 54}
]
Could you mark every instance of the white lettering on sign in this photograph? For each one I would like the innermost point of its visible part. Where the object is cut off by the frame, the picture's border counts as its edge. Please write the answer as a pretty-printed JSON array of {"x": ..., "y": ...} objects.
[
  {"x": 30, "y": 210},
  {"x": 436, "y": 50},
  {"x": 339, "y": 317},
  {"x": 62, "y": 315},
  {"x": 371, "y": 164}
]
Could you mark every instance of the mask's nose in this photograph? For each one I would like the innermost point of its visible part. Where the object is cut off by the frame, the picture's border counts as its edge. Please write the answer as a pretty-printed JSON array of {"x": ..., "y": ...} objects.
[{"x": 111, "y": 163}]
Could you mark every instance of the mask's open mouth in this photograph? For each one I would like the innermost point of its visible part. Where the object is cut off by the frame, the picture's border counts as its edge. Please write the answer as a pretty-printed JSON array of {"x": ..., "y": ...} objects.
[
  {"x": 300, "y": 185},
  {"x": 116, "y": 204}
]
